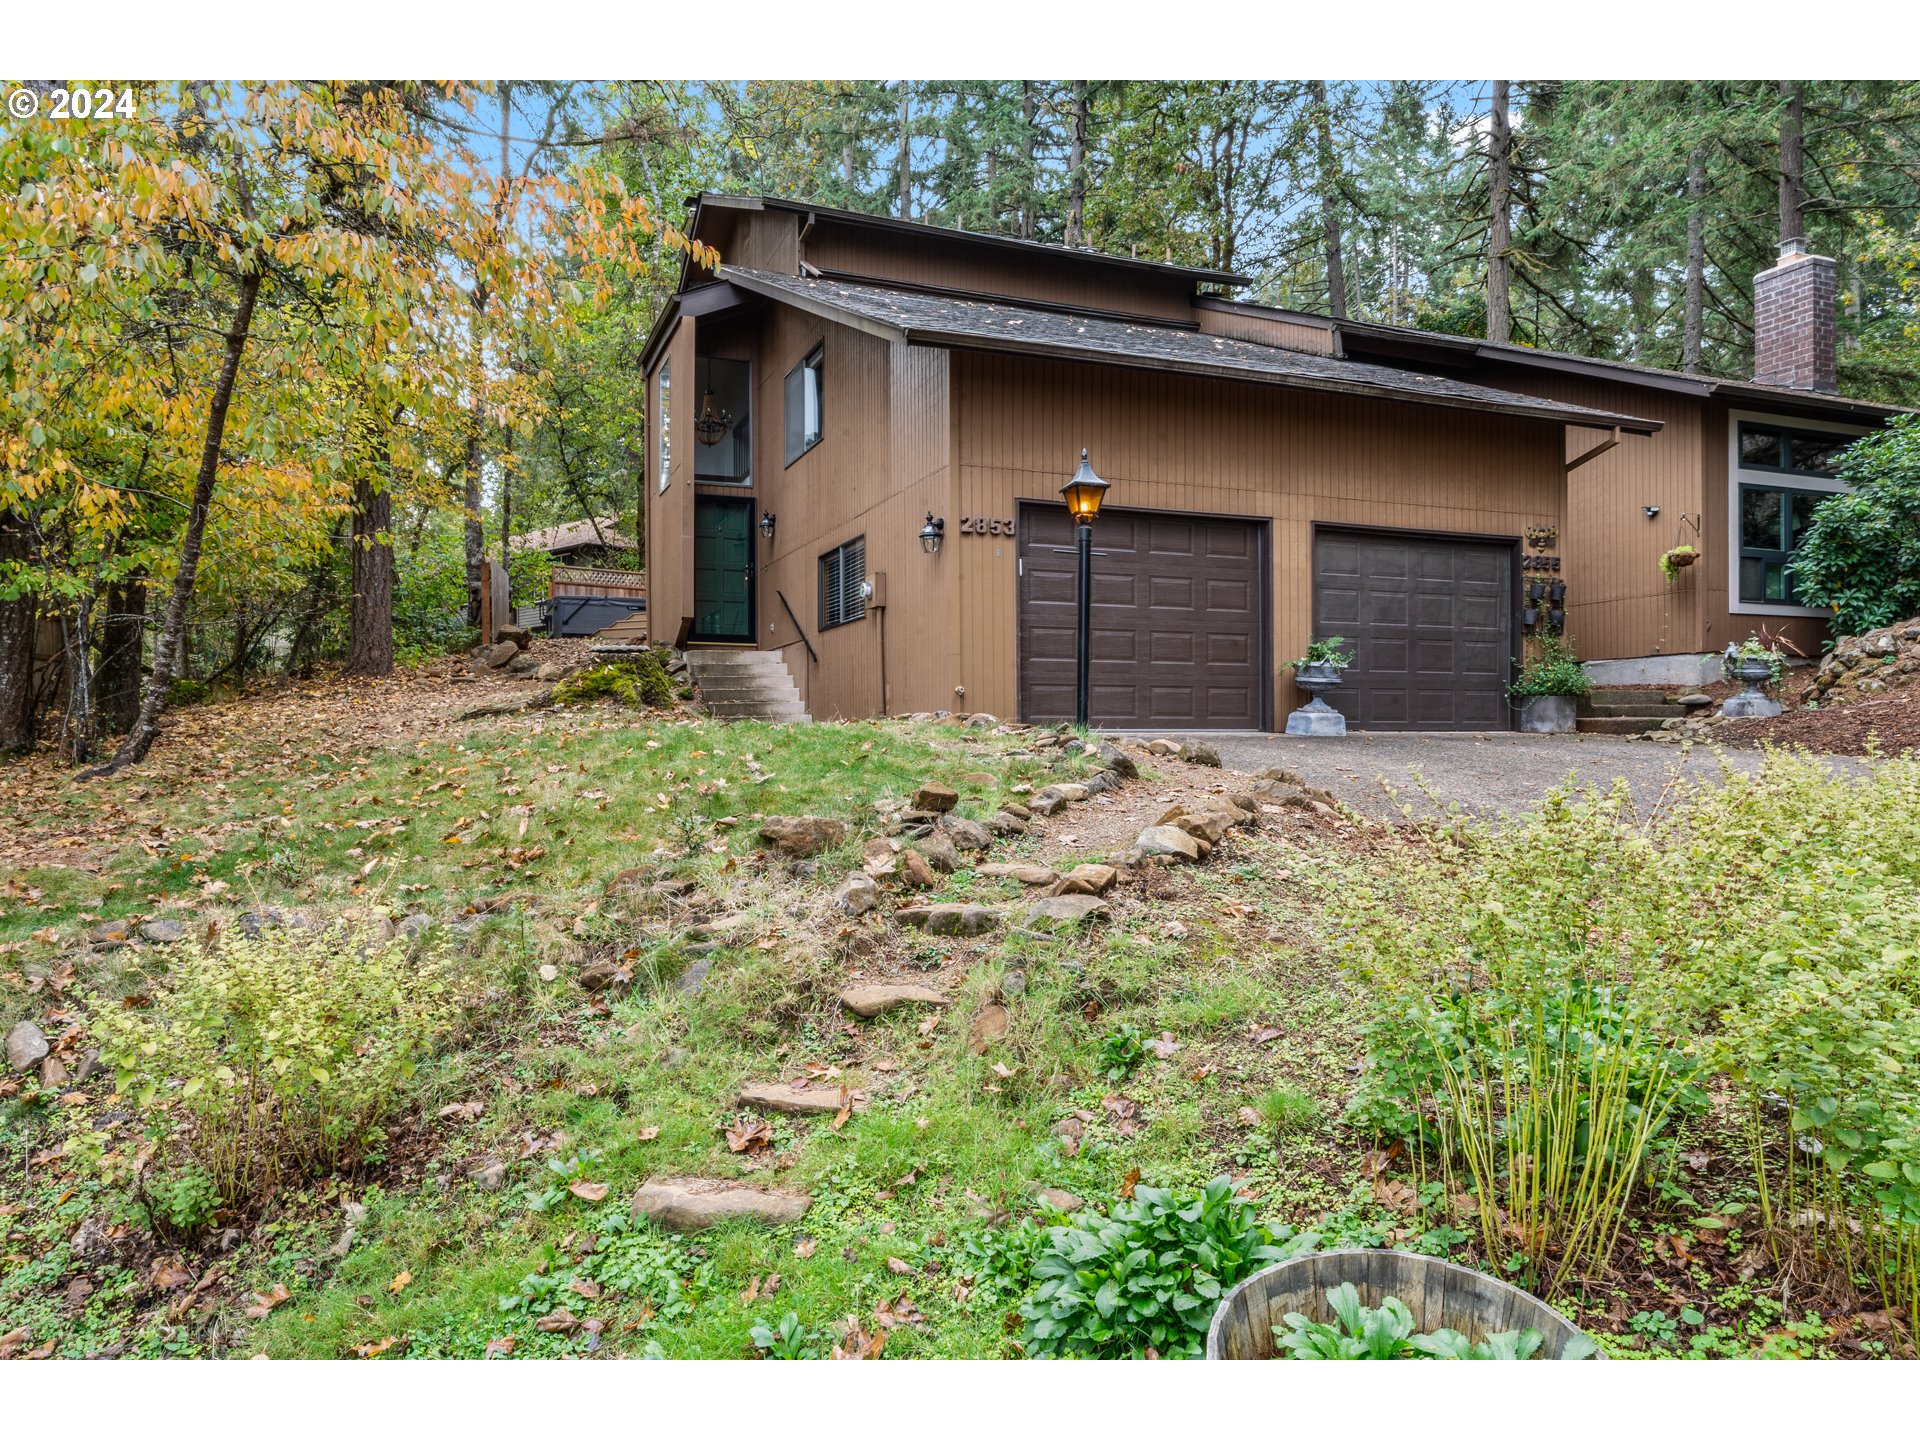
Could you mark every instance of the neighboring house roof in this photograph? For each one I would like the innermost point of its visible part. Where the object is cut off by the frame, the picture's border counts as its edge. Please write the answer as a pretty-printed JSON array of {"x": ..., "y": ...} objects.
[
  {"x": 954, "y": 323},
  {"x": 573, "y": 535}
]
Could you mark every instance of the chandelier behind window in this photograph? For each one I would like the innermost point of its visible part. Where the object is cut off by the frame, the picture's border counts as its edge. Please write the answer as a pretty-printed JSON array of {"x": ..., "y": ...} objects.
[{"x": 710, "y": 427}]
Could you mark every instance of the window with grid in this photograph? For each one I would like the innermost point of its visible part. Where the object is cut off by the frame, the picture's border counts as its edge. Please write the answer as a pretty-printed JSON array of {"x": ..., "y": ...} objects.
[
  {"x": 1772, "y": 520},
  {"x": 843, "y": 574}
]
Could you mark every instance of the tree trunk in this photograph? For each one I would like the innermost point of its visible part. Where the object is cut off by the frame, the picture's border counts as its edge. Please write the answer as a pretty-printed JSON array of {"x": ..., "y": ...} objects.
[
  {"x": 146, "y": 725},
  {"x": 1499, "y": 224},
  {"x": 19, "y": 622},
  {"x": 476, "y": 537},
  {"x": 1029, "y": 140},
  {"x": 1692, "y": 332},
  {"x": 76, "y": 645},
  {"x": 1793, "y": 160},
  {"x": 906, "y": 150},
  {"x": 1077, "y": 169},
  {"x": 123, "y": 639},
  {"x": 370, "y": 609},
  {"x": 1329, "y": 206}
]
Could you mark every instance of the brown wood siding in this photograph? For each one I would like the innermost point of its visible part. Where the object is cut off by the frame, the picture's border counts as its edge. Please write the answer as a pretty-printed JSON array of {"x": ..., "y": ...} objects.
[
  {"x": 1064, "y": 279},
  {"x": 670, "y": 515},
  {"x": 1265, "y": 330},
  {"x": 765, "y": 240},
  {"x": 1177, "y": 444}
]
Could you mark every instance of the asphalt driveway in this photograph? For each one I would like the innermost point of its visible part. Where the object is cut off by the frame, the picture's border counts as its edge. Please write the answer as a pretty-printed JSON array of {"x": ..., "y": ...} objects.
[{"x": 1498, "y": 772}]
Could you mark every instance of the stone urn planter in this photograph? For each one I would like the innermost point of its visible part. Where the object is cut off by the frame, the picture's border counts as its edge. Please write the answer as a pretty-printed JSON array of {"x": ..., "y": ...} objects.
[
  {"x": 1752, "y": 672},
  {"x": 1317, "y": 717},
  {"x": 1548, "y": 714},
  {"x": 1438, "y": 1293}
]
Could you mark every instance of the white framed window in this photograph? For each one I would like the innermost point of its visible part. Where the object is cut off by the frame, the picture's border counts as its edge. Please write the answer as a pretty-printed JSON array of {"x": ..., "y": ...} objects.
[
  {"x": 662, "y": 418},
  {"x": 805, "y": 399},
  {"x": 1778, "y": 472}
]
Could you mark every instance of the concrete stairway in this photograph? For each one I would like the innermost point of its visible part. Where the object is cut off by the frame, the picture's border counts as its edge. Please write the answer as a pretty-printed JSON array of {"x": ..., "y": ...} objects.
[
  {"x": 1625, "y": 711},
  {"x": 746, "y": 685}
]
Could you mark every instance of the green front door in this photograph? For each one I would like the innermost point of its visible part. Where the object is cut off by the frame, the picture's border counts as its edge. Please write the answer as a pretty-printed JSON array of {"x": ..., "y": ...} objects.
[{"x": 722, "y": 569}]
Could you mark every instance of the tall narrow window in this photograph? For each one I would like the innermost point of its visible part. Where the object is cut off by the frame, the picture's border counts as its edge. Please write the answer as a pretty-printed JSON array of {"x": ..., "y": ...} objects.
[
  {"x": 1772, "y": 520},
  {"x": 843, "y": 578},
  {"x": 666, "y": 444},
  {"x": 804, "y": 401}
]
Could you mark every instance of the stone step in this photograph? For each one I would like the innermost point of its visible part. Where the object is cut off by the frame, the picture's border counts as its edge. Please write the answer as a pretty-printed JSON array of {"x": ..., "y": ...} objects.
[
  {"x": 1626, "y": 695},
  {"x": 1616, "y": 724}
]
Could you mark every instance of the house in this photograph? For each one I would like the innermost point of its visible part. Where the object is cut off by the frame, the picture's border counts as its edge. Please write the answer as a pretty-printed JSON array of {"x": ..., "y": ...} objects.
[
  {"x": 845, "y": 383},
  {"x": 589, "y": 587},
  {"x": 599, "y": 542}
]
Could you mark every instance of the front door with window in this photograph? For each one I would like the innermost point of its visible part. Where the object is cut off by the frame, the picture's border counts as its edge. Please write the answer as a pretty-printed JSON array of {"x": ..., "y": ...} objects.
[{"x": 723, "y": 569}]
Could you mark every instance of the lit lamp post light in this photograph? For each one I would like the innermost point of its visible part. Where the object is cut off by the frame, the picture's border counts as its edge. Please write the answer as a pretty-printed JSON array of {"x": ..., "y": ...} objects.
[{"x": 1083, "y": 494}]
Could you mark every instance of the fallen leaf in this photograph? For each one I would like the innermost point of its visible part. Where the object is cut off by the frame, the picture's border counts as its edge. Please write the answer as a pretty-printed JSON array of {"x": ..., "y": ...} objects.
[
  {"x": 898, "y": 1266},
  {"x": 591, "y": 1191},
  {"x": 168, "y": 1274},
  {"x": 899, "y": 1313},
  {"x": 749, "y": 1134},
  {"x": 399, "y": 1282},
  {"x": 559, "y": 1322},
  {"x": 376, "y": 1347},
  {"x": 650, "y": 1132},
  {"x": 501, "y": 1347},
  {"x": 1265, "y": 1034},
  {"x": 805, "y": 1248},
  {"x": 1126, "y": 1185},
  {"x": 1165, "y": 1047},
  {"x": 265, "y": 1302},
  {"x": 845, "y": 1112}
]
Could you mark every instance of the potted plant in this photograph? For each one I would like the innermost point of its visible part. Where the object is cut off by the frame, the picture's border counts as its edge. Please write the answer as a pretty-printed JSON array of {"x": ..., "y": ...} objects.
[
  {"x": 1678, "y": 558},
  {"x": 1549, "y": 687},
  {"x": 1754, "y": 663},
  {"x": 1315, "y": 672}
]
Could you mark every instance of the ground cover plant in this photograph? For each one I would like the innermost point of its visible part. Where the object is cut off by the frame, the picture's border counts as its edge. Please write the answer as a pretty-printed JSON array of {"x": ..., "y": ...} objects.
[{"x": 1386, "y": 1332}]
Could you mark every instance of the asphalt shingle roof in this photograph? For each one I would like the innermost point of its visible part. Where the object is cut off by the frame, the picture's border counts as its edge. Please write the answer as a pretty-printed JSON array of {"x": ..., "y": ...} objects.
[{"x": 978, "y": 324}]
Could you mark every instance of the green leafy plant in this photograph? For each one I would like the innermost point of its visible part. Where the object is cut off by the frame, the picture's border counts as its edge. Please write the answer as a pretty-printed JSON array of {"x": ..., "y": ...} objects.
[
  {"x": 1553, "y": 671},
  {"x": 1386, "y": 1333},
  {"x": 1331, "y": 651},
  {"x": 640, "y": 680},
  {"x": 278, "y": 1055},
  {"x": 789, "y": 1340},
  {"x": 1148, "y": 1277},
  {"x": 1676, "y": 560},
  {"x": 1859, "y": 556},
  {"x": 1122, "y": 1051},
  {"x": 181, "y": 1203}
]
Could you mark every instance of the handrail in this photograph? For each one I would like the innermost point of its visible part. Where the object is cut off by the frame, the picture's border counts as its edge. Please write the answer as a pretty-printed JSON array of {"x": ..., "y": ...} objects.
[{"x": 811, "y": 653}]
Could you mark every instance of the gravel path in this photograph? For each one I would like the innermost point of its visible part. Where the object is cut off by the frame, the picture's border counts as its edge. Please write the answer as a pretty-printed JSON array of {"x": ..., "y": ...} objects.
[{"x": 1501, "y": 773}]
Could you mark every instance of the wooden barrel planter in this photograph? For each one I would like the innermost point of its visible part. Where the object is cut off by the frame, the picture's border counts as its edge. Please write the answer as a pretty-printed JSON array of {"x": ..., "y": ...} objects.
[{"x": 1439, "y": 1293}]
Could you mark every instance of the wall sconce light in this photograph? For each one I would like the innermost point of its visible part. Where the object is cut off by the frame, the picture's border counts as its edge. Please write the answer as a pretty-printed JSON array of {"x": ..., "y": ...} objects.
[
  {"x": 1653, "y": 511},
  {"x": 766, "y": 524},
  {"x": 932, "y": 533}
]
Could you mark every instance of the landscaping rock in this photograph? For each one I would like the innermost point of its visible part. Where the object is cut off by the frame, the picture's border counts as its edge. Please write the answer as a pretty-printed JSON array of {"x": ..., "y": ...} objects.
[
  {"x": 163, "y": 932},
  {"x": 868, "y": 1001},
  {"x": 967, "y": 834},
  {"x": 1026, "y": 874},
  {"x": 696, "y": 1204},
  {"x": 53, "y": 1073},
  {"x": 932, "y": 795},
  {"x": 26, "y": 1046},
  {"x": 1163, "y": 747},
  {"x": 857, "y": 894},
  {"x": 1694, "y": 701},
  {"x": 1013, "y": 984},
  {"x": 113, "y": 932},
  {"x": 496, "y": 656},
  {"x": 792, "y": 1100},
  {"x": 1170, "y": 843},
  {"x": 1005, "y": 825},
  {"x": 979, "y": 778},
  {"x": 515, "y": 635},
  {"x": 940, "y": 852},
  {"x": 915, "y": 871},
  {"x": 802, "y": 835},
  {"x": 1116, "y": 760},
  {"x": 981, "y": 720},
  {"x": 605, "y": 975},
  {"x": 988, "y": 1026},
  {"x": 950, "y": 919},
  {"x": 557, "y": 670},
  {"x": 1058, "y": 912},
  {"x": 1049, "y": 801},
  {"x": 1074, "y": 791},
  {"x": 1017, "y": 810},
  {"x": 414, "y": 925},
  {"x": 1065, "y": 1201},
  {"x": 1201, "y": 753},
  {"x": 882, "y": 856},
  {"x": 1098, "y": 783},
  {"x": 523, "y": 664},
  {"x": 1087, "y": 880}
]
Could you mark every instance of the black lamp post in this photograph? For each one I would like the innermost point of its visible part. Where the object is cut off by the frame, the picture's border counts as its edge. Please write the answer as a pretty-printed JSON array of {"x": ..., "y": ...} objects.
[{"x": 1083, "y": 494}]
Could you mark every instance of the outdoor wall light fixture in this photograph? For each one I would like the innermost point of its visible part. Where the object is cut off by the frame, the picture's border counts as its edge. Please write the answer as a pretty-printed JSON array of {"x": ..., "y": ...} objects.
[
  {"x": 1653, "y": 511},
  {"x": 932, "y": 533},
  {"x": 766, "y": 523},
  {"x": 1083, "y": 494}
]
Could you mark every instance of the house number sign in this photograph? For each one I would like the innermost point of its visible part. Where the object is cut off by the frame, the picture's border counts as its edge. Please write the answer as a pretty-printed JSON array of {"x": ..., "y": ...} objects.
[{"x": 984, "y": 525}]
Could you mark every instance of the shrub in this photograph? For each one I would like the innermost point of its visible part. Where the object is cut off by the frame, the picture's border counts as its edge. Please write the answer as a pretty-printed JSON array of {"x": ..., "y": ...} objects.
[
  {"x": 264, "y": 1058},
  {"x": 1860, "y": 554},
  {"x": 1554, "y": 671},
  {"x": 1150, "y": 1276},
  {"x": 641, "y": 680}
]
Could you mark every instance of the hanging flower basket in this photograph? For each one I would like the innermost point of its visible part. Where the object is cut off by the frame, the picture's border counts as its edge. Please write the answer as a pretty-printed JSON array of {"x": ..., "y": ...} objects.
[{"x": 1678, "y": 558}]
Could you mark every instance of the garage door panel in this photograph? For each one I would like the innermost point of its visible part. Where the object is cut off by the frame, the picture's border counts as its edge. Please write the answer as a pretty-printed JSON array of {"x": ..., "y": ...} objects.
[
  {"x": 1430, "y": 623},
  {"x": 1176, "y": 621}
]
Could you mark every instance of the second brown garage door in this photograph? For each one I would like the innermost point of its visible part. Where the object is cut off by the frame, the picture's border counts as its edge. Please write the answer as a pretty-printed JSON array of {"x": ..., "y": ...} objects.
[
  {"x": 1177, "y": 620},
  {"x": 1430, "y": 622}
]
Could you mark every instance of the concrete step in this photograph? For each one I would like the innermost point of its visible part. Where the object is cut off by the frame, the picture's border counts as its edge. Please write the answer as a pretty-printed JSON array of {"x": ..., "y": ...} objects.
[
  {"x": 1616, "y": 724},
  {"x": 746, "y": 685},
  {"x": 1658, "y": 709},
  {"x": 1627, "y": 695}
]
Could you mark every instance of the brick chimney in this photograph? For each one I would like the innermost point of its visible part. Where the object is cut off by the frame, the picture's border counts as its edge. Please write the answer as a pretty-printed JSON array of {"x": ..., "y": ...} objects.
[{"x": 1795, "y": 332}]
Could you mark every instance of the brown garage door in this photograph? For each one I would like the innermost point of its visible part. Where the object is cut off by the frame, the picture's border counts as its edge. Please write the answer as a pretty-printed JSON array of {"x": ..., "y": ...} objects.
[
  {"x": 1430, "y": 621},
  {"x": 1177, "y": 620}
]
